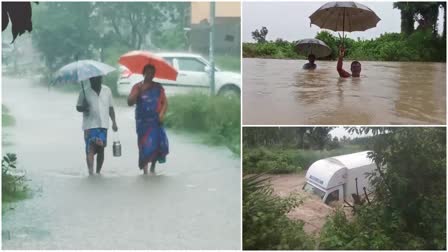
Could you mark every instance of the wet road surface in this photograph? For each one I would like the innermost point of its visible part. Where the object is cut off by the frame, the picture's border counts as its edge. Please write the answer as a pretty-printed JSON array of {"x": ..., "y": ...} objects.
[{"x": 193, "y": 202}]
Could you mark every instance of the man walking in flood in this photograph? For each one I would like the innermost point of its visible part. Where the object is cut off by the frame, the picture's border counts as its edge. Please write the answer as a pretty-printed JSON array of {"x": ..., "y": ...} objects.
[{"x": 96, "y": 104}]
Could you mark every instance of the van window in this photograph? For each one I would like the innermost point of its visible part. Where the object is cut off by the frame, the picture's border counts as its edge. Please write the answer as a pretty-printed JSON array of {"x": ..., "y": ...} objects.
[
  {"x": 314, "y": 190},
  {"x": 334, "y": 196}
]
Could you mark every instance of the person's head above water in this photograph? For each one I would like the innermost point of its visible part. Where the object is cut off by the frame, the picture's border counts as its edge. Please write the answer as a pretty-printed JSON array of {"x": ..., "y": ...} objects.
[
  {"x": 355, "y": 68},
  {"x": 95, "y": 82},
  {"x": 149, "y": 72},
  {"x": 311, "y": 58}
]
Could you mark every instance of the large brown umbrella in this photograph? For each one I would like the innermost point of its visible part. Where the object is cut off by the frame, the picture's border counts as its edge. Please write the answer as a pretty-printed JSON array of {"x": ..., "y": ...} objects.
[{"x": 344, "y": 16}]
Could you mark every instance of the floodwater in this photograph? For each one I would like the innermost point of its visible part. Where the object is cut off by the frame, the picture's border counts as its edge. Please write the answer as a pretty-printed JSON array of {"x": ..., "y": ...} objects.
[
  {"x": 312, "y": 211},
  {"x": 193, "y": 203},
  {"x": 280, "y": 92}
]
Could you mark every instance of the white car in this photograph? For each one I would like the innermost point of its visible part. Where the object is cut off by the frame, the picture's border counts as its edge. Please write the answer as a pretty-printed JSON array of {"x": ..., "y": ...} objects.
[{"x": 193, "y": 76}]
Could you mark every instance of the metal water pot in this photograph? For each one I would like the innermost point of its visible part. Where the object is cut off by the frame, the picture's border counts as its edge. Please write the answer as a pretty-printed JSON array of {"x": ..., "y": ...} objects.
[{"x": 117, "y": 148}]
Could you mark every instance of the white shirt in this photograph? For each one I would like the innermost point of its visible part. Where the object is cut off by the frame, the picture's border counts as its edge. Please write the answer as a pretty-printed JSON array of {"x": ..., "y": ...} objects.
[{"x": 98, "y": 115}]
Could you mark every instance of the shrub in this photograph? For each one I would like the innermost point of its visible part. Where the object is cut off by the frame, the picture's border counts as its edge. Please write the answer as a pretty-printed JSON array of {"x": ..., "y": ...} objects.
[
  {"x": 218, "y": 117},
  {"x": 265, "y": 224},
  {"x": 13, "y": 186}
]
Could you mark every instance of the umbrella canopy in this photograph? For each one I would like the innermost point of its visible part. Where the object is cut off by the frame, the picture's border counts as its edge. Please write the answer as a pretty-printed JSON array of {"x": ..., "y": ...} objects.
[
  {"x": 312, "y": 46},
  {"x": 344, "y": 16},
  {"x": 135, "y": 61},
  {"x": 81, "y": 70}
]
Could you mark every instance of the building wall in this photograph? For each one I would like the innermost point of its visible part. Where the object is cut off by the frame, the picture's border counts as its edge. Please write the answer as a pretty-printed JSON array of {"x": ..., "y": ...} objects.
[{"x": 201, "y": 10}]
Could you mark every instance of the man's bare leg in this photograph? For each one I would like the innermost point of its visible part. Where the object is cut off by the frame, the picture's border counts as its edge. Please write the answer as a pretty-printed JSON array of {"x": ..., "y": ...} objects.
[
  {"x": 145, "y": 169},
  {"x": 90, "y": 159},
  {"x": 99, "y": 159}
]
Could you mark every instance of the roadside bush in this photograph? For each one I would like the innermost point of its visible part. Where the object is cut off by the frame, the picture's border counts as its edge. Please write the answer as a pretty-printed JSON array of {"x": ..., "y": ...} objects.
[
  {"x": 216, "y": 117},
  {"x": 265, "y": 224},
  {"x": 13, "y": 186}
]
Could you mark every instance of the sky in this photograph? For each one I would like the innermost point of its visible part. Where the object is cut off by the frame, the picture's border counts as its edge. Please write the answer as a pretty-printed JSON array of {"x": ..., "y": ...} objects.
[
  {"x": 290, "y": 20},
  {"x": 341, "y": 132}
]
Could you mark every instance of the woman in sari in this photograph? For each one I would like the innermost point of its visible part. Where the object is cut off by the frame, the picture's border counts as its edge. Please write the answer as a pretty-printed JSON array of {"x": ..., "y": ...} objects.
[{"x": 151, "y": 106}]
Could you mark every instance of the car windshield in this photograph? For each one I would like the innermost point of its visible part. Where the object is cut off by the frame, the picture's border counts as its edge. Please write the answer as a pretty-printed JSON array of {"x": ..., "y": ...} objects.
[{"x": 314, "y": 190}]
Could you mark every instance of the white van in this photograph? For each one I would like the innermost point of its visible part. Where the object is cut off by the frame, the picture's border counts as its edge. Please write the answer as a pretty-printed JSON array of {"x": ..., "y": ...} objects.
[{"x": 337, "y": 178}]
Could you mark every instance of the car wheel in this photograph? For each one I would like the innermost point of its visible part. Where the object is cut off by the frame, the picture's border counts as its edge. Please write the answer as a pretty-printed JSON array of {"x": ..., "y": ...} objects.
[{"x": 229, "y": 91}]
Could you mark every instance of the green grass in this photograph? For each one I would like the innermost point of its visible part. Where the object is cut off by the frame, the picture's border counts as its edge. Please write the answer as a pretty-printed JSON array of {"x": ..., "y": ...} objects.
[
  {"x": 14, "y": 187},
  {"x": 216, "y": 118},
  {"x": 7, "y": 119},
  {"x": 228, "y": 63},
  {"x": 277, "y": 160}
]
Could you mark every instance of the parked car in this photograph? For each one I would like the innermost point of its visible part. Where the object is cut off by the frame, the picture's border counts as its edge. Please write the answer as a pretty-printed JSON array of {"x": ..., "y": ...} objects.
[
  {"x": 339, "y": 178},
  {"x": 193, "y": 75}
]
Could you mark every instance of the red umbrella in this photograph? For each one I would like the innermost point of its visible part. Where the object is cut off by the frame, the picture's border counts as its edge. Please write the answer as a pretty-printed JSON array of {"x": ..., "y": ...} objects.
[{"x": 136, "y": 60}]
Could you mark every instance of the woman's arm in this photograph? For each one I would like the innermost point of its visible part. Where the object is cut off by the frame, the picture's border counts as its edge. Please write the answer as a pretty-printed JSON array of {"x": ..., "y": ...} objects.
[
  {"x": 164, "y": 105},
  {"x": 133, "y": 95}
]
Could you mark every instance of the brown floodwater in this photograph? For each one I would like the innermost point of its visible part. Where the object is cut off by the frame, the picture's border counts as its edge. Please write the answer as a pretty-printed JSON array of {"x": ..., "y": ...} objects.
[{"x": 280, "y": 92}]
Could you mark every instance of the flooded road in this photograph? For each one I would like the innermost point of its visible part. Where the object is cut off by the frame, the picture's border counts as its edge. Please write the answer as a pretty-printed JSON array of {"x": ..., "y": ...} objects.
[
  {"x": 280, "y": 92},
  {"x": 193, "y": 203}
]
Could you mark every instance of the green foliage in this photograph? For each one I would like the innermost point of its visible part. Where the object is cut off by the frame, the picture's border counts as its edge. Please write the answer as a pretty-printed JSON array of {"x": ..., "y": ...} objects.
[
  {"x": 303, "y": 137},
  {"x": 409, "y": 208},
  {"x": 7, "y": 119},
  {"x": 260, "y": 35},
  {"x": 218, "y": 117},
  {"x": 276, "y": 50},
  {"x": 13, "y": 186},
  {"x": 64, "y": 32},
  {"x": 228, "y": 63},
  {"x": 265, "y": 224},
  {"x": 421, "y": 45},
  {"x": 277, "y": 160},
  {"x": 57, "y": 34}
]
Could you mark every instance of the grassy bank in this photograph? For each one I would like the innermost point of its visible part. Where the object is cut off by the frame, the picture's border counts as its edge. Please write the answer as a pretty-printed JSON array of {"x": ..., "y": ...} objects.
[
  {"x": 7, "y": 118},
  {"x": 215, "y": 117},
  {"x": 287, "y": 160},
  {"x": 418, "y": 46},
  {"x": 228, "y": 63},
  {"x": 13, "y": 184}
]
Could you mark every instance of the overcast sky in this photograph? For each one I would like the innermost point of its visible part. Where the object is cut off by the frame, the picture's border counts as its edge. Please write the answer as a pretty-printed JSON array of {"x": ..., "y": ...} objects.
[
  {"x": 289, "y": 20},
  {"x": 341, "y": 132}
]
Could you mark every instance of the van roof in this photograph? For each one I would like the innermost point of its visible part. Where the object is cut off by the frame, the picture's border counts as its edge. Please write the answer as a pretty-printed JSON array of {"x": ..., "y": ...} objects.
[
  {"x": 354, "y": 160},
  {"x": 322, "y": 171}
]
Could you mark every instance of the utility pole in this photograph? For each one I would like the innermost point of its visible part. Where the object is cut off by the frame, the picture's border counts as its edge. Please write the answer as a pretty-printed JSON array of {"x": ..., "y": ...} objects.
[{"x": 212, "y": 47}]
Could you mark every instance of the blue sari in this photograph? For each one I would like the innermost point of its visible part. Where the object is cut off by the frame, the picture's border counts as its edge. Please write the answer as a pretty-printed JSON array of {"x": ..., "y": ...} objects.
[{"x": 152, "y": 139}]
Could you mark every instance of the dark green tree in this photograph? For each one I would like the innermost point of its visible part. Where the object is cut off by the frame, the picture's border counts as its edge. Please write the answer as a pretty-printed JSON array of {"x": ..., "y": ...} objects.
[{"x": 260, "y": 35}]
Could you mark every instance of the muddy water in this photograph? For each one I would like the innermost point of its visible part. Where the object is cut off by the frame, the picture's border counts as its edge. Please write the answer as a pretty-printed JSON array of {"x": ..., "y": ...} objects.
[
  {"x": 312, "y": 211},
  {"x": 193, "y": 203},
  {"x": 280, "y": 92}
]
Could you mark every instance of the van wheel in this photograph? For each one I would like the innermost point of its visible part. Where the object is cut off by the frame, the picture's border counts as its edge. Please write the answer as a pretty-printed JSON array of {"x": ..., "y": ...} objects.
[{"x": 230, "y": 91}]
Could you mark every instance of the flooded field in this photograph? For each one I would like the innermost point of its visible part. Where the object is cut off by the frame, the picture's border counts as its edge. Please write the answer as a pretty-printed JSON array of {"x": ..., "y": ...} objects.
[{"x": 280, "y": 92}]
